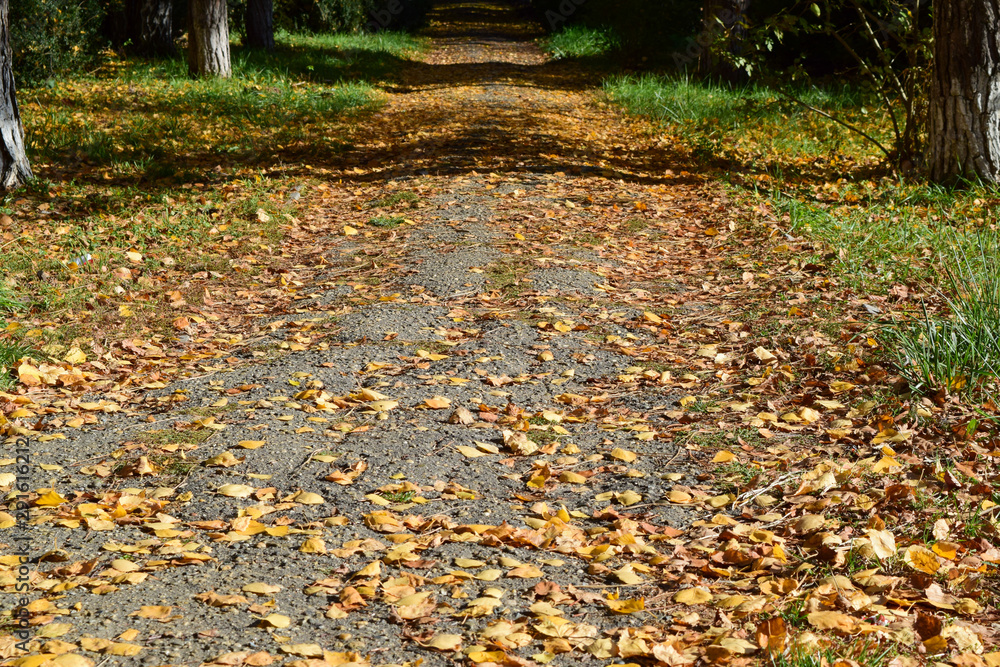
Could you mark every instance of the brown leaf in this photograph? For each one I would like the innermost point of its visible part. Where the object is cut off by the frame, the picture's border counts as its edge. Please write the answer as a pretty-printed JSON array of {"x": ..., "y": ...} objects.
[{"x": 927, "y": 625}]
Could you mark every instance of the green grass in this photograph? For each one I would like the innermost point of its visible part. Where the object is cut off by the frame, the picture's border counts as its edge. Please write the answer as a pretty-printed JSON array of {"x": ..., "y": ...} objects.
[
  {"x": 173, "y": 437},
  {"x": 864, "y": 652},
  {"x": 746, "y": 123},
  {"x": 735, "y": 475},
  {"x": 9, "y": 303},
  {"x": 10, "y": 353},
  {"x": 406, "y": 197},
  {"x": 872, "y": 229},
  {"x": 957, "y": 350},
  {"x": 386, "y": 222},
  {"x": 398, "y": 496},
  {"x": 137, "y": 156},
  {"x": 580, "y": 42},
  {"x": 150, "y": 118},
  {"x": 506, "y": 277}
]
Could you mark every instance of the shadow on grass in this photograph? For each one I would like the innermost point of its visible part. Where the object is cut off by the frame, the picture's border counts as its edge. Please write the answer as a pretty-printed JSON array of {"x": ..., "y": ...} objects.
[{"x": 146, "y": 124}]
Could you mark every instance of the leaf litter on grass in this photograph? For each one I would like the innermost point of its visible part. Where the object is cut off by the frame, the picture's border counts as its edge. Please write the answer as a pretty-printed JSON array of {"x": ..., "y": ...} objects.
[{"x": 828, "y": 515}]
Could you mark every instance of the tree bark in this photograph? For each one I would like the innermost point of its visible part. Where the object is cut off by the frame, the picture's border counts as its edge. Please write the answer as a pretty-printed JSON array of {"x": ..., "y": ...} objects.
[
  {"x": 964, "y": 131},
  {"x": 150, "y": 26},
  {"x": 260, "y": 24},
  {"x": 14, "y": 167},
  {"x": 208, "y": 39}
]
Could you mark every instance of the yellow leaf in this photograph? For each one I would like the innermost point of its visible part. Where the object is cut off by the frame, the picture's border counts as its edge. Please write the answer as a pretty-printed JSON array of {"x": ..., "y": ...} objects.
[
  {"x": 883, "y": 542},
  {"x": 470, "y": 452},
  {"x": 250, "y": 444},
  {"x": 54, "y": 630},
  {"x": 921, "y": 558},
  {"x": 445, "y": 642},
  {"x": 886, "y": 463},
  {"x": 123, "y": 650},
  {"x": 626, "y": 574},
  {"x": 763, "y": 355},
  {"x": 303, "y": 650},
  {"x": 350, "y": 231},
  {"x": 525, "y": 572},
  {"x": 72, "y": 660},
  {"x": 155, "y": 612},
  {"x": 679, "y": 497},
  {"x": 260, "y": 588},
  {"x": 833, "y": 620},
  {"x": 623, "y": 455},
  {"x": 373, "y": 569},
  {"x": 721, "y": 501},
  {"x": 309, "y": 498},
  {"x": 235, "y": 490},
  {"x": 50, "y": 499},
  {"x": 627, "y": 498},
  {"x": 224, "y": 460},
  {"x": 29, "y": 375},
  {"x": 275, "y": 621},
  {"x": 693, "y": 596},
  {"x": 36, "y": 660},
  {"x": 626, "y": 606},
  {"x": 723, "y": 457},
  {"x": 487, "y": 656},
  {"x": 947, "y": 550},
  {"x": 839, "y": 387},
  {"x": 313, "y": 545},
  {"x": 437, "y": 403}
]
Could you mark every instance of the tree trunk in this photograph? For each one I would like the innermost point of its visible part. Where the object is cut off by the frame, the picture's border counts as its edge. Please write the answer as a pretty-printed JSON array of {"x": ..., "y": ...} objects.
[
  {"x": 964, "y": 129},
  {"x": 150, "y": 26},
  {"x": 260, "y": 24},
  {"x": 208, "y": 39},
  {"x": 14, "y": 167},
  {"x": 723, "y": 33}
]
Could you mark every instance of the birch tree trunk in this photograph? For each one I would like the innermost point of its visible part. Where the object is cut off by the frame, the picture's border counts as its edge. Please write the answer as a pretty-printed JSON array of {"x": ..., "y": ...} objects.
[
  {"x": 260, "y": 24},
  {"x": 14, "y": 167},
  {"x": 208, "y": 39},
  {"x": 964, "y": 133}
]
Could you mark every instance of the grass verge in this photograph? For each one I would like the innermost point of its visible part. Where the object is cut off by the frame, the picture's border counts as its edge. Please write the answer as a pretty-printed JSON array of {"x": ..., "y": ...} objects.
[
  {"x": 175, "y": 186},
  {"x": 580, "y": 42},
  {"x": 915, "y": 248},
  {"x": 958, "y": 350}
]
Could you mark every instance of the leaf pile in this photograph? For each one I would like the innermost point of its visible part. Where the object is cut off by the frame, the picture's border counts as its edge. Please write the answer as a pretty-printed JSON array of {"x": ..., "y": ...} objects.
[{"x": 642, "y": 430}]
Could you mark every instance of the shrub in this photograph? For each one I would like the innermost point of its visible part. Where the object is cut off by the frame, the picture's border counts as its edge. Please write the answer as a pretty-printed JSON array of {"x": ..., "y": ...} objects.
[
  {"x": 52, "y": 37},
  {"x": 349, "y": 15}
]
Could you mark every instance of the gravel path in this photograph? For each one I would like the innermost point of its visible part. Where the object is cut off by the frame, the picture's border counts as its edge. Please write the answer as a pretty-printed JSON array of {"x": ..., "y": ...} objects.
[{"x": 482, "y": 444}]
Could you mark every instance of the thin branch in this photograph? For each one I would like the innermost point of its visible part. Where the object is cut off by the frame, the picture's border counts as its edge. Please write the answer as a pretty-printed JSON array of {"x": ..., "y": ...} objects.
[
  {"x": 879, "y": 86},
  {"x": 882, "y": 53},
  {"x": 852, "y": 128}
]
